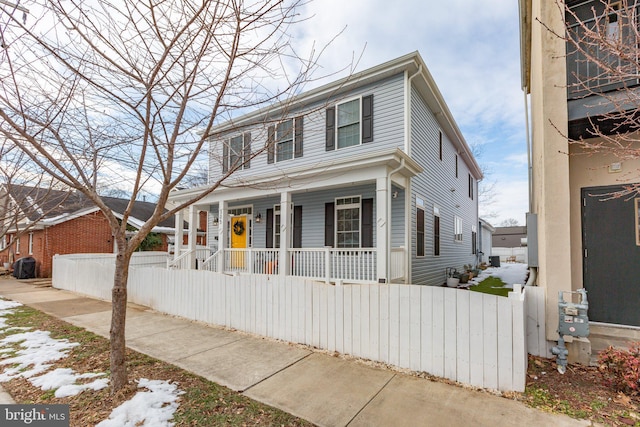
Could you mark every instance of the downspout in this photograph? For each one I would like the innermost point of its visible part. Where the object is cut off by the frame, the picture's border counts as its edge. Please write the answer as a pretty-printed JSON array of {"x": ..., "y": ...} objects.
[
  {"x": 533, "y": 271},
  {"x": 407, "y": 145}
]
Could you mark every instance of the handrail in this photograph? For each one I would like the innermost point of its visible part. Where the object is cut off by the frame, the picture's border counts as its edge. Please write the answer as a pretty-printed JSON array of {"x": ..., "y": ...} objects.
[{"x": 174, "y": 262}]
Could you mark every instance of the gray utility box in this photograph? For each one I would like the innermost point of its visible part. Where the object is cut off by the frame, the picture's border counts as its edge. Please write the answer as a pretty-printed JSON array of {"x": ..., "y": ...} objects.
[
  {"x": 573, "y": 321},
  {"x": 573, "y": 316}
]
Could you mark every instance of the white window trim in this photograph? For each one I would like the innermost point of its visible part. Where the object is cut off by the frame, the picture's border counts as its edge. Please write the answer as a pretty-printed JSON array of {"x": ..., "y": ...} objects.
[
  {"x": 457, "y": 228},
  {"x": 276, "y": 142},
  {"x": 337, "y": 141},
  {"x": 242, "y": 152},
  {"x": 30, "y": 243},
  {"x": 17, "y": 239},
  {"x": 335, "y": 219}
]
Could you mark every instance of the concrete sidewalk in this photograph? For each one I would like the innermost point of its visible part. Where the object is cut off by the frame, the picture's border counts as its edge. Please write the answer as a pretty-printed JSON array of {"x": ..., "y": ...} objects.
[{"x": 326, "y": 390}]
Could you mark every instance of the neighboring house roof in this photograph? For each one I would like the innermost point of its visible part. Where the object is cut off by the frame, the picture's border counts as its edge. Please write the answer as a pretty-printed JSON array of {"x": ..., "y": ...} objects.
[
  {"x": 486, "y": 225},
  {"x": 52, "y": 207}
]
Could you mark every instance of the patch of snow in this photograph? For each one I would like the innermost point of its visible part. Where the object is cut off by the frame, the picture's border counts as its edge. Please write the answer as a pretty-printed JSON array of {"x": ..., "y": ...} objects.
[
  {"x": 509, "y": 273},
  {"x": 64, "y": 380},
  {"x": 38, "y": 349},
  {"x": 147, "y": 408}
]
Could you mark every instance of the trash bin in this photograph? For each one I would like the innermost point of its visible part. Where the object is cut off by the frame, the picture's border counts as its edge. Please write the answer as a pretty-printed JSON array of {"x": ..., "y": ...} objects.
[
  {"x": 25, "y": 268},
  {"x": 494, "y": 261}
]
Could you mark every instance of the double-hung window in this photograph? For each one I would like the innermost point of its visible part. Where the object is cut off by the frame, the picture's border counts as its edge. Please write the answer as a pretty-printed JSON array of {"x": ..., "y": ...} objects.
[
  {"x": 436, "y": 231},
  {"x": 348, "y": 222},
  {"x": 284, "y": 140},
  {"x": 348, "y": 123},
  {"x": 237, "y": 152}
]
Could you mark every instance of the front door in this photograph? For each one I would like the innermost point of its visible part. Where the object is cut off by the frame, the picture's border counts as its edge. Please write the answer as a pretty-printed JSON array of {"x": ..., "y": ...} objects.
[
  {"x": 238, "y": 240},
  {"x": 611, "y": 256}
]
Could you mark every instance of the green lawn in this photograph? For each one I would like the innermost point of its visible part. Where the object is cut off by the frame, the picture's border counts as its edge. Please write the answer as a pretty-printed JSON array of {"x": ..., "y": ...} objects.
[{"x": 491, "y": 285}]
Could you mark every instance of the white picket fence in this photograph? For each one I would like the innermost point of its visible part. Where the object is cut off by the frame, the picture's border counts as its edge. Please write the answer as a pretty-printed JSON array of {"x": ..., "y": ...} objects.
[{"x": 469, "y": 337}]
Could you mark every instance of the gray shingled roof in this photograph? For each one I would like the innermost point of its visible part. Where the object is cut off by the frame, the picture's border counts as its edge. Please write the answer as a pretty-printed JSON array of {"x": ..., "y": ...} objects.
[{"x": 44, "y": 203}]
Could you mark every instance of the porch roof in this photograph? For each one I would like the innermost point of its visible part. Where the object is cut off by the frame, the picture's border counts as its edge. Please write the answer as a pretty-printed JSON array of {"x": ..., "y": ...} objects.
[{"x": 362, "y": 168}]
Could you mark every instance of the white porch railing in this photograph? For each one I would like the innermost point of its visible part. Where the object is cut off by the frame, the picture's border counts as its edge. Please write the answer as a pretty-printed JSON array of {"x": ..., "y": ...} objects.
[
  {"x": 357, "y": 265},
  {"x": 397, "y": 264}
]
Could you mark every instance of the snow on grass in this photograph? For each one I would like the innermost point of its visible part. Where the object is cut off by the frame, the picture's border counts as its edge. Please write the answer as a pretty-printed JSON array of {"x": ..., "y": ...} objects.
[
  {"x": 37, "y": 351},
  {"x": 64, "y": 381},
  {"x": 153, "y": 408},
  {"x": 509, "y": 273}
]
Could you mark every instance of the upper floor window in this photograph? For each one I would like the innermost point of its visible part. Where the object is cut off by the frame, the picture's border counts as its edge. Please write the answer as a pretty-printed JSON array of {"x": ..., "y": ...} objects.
[
  {"x": 285, "y": 140},
  {"x": 236, "y": 152},
  {"x": 456, "y": 165},
  {"x": 440, "y": 144},
  {"x": 349, "y": 123},
  {"x": 471, "y": 186}
]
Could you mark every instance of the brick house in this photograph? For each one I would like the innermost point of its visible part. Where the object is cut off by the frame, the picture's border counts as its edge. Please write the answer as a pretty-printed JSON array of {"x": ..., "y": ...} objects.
[{"x": 54, "y": 222}]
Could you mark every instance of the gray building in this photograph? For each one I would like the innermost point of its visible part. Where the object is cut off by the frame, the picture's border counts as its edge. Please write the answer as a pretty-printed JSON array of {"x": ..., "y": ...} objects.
[{"x": 366, "y": 179}]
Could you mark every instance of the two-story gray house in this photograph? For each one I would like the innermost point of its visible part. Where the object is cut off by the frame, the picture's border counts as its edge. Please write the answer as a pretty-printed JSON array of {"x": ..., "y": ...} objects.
[{"x": 366, "y": 179}]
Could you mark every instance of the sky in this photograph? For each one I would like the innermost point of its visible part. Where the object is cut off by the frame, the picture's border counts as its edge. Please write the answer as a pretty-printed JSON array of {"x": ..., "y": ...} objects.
[{"x": 472, "y": 50}]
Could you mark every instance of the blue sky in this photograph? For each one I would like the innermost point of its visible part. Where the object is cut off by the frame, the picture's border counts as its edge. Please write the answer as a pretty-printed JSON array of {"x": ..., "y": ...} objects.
[{"x": 472, "y": 50}]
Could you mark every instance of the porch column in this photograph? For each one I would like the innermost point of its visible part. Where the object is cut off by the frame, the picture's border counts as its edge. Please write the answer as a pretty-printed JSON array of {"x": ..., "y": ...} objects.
[
  {"x": 285, "y": 233},
  {"x": 383, "y": 247},
  {"x": 193, "y": 235},
  {"x": 177, "y": 244},
  {"x": 223, "y": 208}
]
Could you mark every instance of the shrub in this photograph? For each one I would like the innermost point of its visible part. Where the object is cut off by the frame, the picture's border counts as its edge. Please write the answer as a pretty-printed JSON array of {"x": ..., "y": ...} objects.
[{"x": 621, "y": 367}]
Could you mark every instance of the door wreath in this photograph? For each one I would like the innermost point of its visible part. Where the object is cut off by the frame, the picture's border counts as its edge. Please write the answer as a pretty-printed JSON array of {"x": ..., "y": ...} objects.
[{"x": 238, "y": 228}]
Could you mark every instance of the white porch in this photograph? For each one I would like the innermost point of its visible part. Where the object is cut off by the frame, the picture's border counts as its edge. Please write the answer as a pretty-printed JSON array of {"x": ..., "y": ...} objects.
[{"x": 385, "y": 174}]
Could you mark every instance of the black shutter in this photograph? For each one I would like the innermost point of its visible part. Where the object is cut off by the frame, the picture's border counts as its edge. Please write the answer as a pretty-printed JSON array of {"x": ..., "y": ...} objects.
[
  {"x": 247, "y": 150},
  {"x": 298, "y": 137},
  {"x": 330, "y": 143},
  {"x": 271, "y": 144},
  {"x": 269, "y": 239},
  {"x": 328, "y": 224},
  {"x": 367, "y": 223},
  {"x": 367, "y": 118},
  {"x": 225, "y": 155},
  {"x": 297, "y": 226}
]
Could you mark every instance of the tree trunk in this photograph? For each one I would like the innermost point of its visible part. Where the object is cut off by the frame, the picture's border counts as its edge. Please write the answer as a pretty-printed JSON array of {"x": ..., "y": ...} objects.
[{"x": 118, "y": 317}]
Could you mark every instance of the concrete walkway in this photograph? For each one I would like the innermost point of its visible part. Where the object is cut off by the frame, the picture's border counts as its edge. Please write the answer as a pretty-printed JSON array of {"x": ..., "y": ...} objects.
[{"x": 326, "y": 390}]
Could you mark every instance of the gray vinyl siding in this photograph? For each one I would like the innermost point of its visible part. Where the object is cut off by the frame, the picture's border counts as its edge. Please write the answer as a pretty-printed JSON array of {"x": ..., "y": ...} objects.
[
  {"x": 388, "y": 131},
  {"x": 434, "y": 185}
]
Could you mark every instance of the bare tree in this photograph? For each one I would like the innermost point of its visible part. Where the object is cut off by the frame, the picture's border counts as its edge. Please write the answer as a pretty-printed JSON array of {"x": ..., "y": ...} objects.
[
  {"x": 509, "y": 222},
  {"x": 603, "y": 69},
  {"x": 128, "y": 91},
  {"x": 27, "y": 196}
]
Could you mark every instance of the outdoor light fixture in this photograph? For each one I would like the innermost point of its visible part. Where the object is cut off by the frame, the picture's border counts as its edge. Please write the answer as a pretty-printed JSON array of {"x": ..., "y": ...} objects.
[
  {"x": 215, "y": 221},
  {"x": 395, "y": 194},
  {"x": 258, "y": 218}
]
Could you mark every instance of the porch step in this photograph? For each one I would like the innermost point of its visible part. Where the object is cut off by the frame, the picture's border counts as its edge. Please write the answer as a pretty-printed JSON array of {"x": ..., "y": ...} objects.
[
  {"x": 602, "y": 336},
  {"x": 39, "y": 283}
]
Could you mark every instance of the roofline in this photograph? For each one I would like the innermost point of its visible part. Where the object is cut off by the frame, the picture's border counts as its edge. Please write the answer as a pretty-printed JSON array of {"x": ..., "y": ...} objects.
[{"x": 411, "y": 63}]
